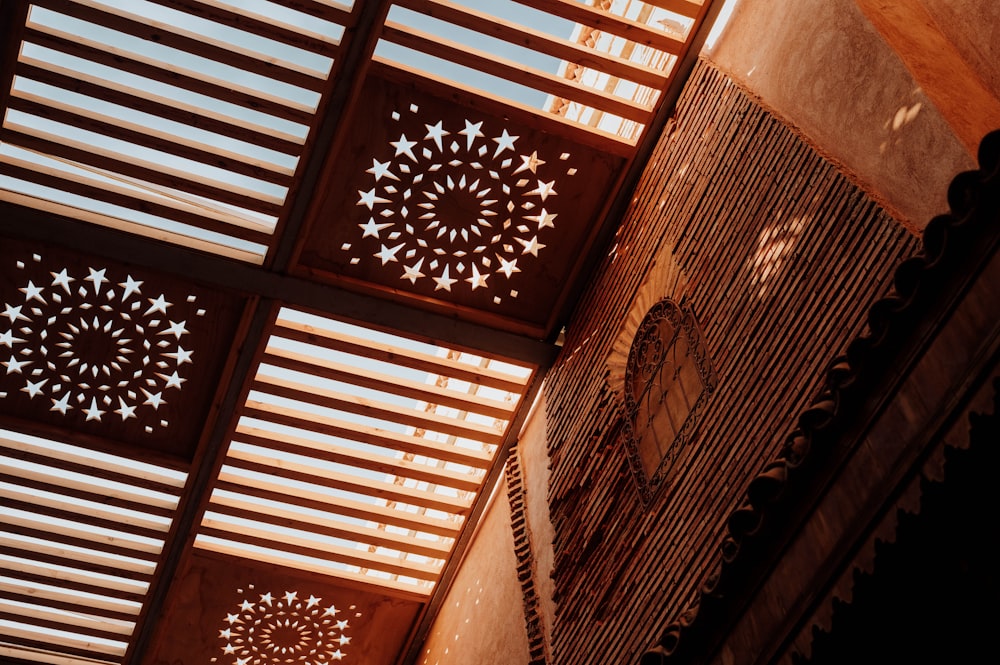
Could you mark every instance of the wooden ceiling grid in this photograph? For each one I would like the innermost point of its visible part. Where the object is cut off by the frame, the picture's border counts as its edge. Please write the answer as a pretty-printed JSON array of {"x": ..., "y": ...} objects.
[{"x": 343, "y": 429}]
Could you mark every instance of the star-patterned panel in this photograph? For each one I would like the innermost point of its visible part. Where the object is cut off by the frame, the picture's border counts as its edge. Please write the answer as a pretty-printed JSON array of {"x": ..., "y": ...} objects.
[
  {"x": 454, "y": 206},
  {"x": 228, "y": 611},
  {"x": 103, "y": 348}
]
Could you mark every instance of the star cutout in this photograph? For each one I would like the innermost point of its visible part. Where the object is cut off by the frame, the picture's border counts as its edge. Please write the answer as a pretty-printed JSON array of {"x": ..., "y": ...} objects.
[
  {"x": 14, "y": 365},
  {"x": 471, "y": 133},
  {"x": 94, "y": 413},
  {"x": 544, "y": 189},
  {"x": 380, "y": 169},
  {"x": 437, "y": 133},
  {"x": 290, "y": 597},
  {"x": 62, "y": 279},
  {"x": 246, "y": 606},
  {"x": 344, "y": 639},
  {"x": 129, "y": 286},
  {"x": 444, "y": 281},
  {"x": 336, "y": 655},
  {"x": 404, "y": 147},
  {"x": 158, "y": 304},
  {"x": 61, "y": 405},
  {"x": 153, "y": 399},
  {"x": 387, "y": 254},
  {"x": 331, "y": 611},
  {"x": 341, "y": 625},
  {"x": 32, "y": 292},
  {"x": 173, "y": 381},
  {"x": 507, "y": 267},
  {"x": 369, "y": 199},
  {"x": 181, "y": 355},
  {"x": 243, "y": 661},
  {"x": 529, "y": 163},
  {"x": 372, "y": 229},
  {"x": 266, "y": 598},
  {"x": 229, "y": 649},
  {"x": 7, "y": 339},
  {"x": 226, "y": 633},
  {"x": 176, "y": 329},
  {"x": 544, "y": 218},
  {"x": 531, "y": 246},
  {"x": 478, "y": 279},
  {"x": 312, "y": 602},
  {"x": 14, "y": 313},
  {"x": 413, "y": 273},
  {"x": 504, "y": 142},
  {"x": 97, "y": 277},
  {"x": 124, "y": 410}
]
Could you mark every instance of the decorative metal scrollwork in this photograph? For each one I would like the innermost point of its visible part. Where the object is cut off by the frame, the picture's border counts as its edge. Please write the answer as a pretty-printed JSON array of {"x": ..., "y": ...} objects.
[{"x": 667, "y": 379}]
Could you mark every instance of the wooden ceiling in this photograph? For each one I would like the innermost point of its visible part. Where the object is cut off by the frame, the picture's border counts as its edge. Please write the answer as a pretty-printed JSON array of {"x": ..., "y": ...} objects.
[{"x": 280, "y": 282}]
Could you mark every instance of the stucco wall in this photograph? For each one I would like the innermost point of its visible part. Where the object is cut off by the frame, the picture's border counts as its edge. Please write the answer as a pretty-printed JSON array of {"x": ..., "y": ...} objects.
[{"x": 823, "y": 68}]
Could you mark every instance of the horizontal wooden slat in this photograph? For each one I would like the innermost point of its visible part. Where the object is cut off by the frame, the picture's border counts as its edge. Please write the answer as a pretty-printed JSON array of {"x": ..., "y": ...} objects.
[
  {"x": 129, "y": 132},
  {"x": 82, "y": 518},
  {"x": 338, "y": 455},
  {"x": 61, "y": 546},
  {"x": 74, "y": 562},
  {"x": 80, "y": 536},
  {"x": 42, "y": 641},
  {"x": 256, "y": 24},
  {"x": 169, "y": 109},
  {"x": 639, "y": 33},
  {"x": 372, "y": 409},
  {"x": 81, "y": 467},
  {"x": 325, "y": 527},
  {"x": 53, "y": 597},
  {"x": 404, "y": 589},
  {"x": 538, "y": 41},
  {"x": 96, "y": 497},
  {"x": 348, "y": 508},
  {"x": 364, "y": 434},
  {"x": 415, "y": 390},
  {"x": 332, "y": 553},
  {"x": 346, "y": 483},
  {"x": 35, "y": 577},
  {"x": 72, "y": 622},
  {"x": 688, "y": 8},
  {"x": 398, "y": 356},
  {"x": 124, "y": 196},
  {"x": 174, "y": 37},
  {"x": 196, "y": 82},
  {"x": 509, "y": 70},
  {"x": 75, "y": 151},
  {"x": 69, "y": 506}
]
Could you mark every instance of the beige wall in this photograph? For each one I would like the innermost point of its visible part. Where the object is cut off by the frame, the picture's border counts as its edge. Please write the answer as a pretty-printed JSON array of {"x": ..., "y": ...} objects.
[{"x": 823, "y": 68}]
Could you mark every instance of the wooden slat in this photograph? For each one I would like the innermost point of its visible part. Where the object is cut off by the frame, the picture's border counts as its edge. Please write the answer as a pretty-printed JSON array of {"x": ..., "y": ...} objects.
[
  {"x": 256, "y": 24},
  {"x": 483, "y": 101},
  {"x": 123, "y": 196},
  {"x": 35, "y": 578},
  {"x": 75, "y": 562},
  {"x": 174, "y": 37},
  {"x": 96, "y": 497},
  {"x": 149, "y": 171},
  {"x": 124, "y": 130},
  {"x": 328, "y": 552},
  {"x": 96, "y": 473},
  {"x": 326, "y": 527},
  {"x": 688, "y": 8},
  {"x": 378, "y": 410},
  {"x": 163, "y": 107},
  {"x": 67, "y": 505},
  {"x": 639, "y": 33},
  {"x": 11, "y": 592},
  {"x": 365, "y": 434},
  {"x": 399, "y": 589},
  {"x": 83, "y": 518},
  {"x": 415, "y": 390},
  {"x": 75, "y": 622},
  {"x": 63, "y": 646},
  {"x": 398, "y": 356},
  {"x": 348, "y": 508},
  {"x": 538, "y": 41},
  {"x": 515, "y": 72},
  {"x": 80, "y": 536},
  {"x": 327, "y": 452},
  {"x": 197, "y": 82},
  {"x": 345, "y": 483}
]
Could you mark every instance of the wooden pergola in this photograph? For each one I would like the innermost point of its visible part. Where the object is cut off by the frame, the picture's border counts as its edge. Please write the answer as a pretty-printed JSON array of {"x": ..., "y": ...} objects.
[{"x": 280, "y": 284}]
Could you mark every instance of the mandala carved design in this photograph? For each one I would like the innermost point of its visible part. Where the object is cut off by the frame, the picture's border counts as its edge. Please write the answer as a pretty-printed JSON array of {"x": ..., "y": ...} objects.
[
  {"x": 458, "y": 206},
  {"x": 268, "y": 629},
  {"x": 92, "y": 343}
]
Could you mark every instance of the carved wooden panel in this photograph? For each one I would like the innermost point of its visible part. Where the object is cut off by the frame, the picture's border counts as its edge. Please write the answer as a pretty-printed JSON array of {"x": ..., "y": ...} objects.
[
  {"x": 446, "y": 205},
  {"x": 105, "y": 349},
  {"x": 228, "y": 611},
  {"x": 668, "y": 377}
]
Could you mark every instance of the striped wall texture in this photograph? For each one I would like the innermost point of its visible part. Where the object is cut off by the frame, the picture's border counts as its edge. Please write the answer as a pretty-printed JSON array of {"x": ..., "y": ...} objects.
[{"x": 779, "y": 255}]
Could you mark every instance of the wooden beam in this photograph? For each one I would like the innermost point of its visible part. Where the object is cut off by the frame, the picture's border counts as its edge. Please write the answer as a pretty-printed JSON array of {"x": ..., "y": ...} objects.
[
  {"x": 937, "y": 66},
  {"x": 688, "y": 8}
]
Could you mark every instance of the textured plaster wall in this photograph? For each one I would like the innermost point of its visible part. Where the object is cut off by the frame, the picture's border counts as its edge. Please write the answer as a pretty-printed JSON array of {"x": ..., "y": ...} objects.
[
  {"x": 482, "y": 619},
  {"x": 823, "y": 68},
  {"x": 973, "y": 26}
]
